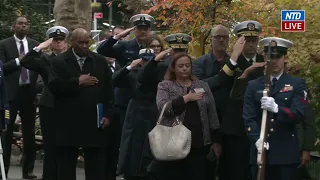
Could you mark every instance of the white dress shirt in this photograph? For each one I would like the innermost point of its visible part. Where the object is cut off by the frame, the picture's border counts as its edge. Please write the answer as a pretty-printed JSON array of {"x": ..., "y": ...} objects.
[
  {"x": 114, "y": 66},
  {"x": 253, "y": 59},
  {"x": 26, "y": 50}
]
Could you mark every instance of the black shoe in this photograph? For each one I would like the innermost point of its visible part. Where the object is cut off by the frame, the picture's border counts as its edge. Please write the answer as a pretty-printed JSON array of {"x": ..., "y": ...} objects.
[{"x": 29, "y": 176}]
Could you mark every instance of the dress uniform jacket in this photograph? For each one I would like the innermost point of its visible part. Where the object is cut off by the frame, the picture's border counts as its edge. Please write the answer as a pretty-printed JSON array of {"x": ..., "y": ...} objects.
[
  {"x": 40, "y": 63},
  {"x": 76, "y": 106},
  {"x": 124, "y": 52},
  {"x": 290, "y": 95},
  {"x": 141, "y": 117},
  {"x": 232, "y": 121}
]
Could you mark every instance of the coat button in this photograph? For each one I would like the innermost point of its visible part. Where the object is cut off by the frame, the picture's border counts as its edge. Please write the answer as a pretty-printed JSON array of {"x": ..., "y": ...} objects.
[
  {"x": 292, "y": 135},
  {"x": 271, "y": 129},
  {"x": 268, "y": 135},
  {"x": 285, "y": 98},
  {"x": 272, "y": 120},
  {"x": 249, "y": 128}
]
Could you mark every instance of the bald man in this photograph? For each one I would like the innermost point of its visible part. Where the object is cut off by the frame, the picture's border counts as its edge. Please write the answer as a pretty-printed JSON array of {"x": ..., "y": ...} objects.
[
  {"x": 209, "y": 65},
  {"x": 81, "y": 84}
]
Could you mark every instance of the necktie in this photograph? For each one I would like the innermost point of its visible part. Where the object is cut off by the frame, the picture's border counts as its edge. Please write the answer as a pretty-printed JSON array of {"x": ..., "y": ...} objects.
[
  {"x": 274, "y": 81},
  {"x": 24, "y": 72},
  {"x": 81, "y": 62},
  {"x": 250, "y": 62},
  {"x": 112, "y": 68}
]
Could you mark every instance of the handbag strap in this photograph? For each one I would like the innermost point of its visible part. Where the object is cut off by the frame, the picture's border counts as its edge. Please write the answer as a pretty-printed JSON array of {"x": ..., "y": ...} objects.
[{"x": 161, "y": 114}]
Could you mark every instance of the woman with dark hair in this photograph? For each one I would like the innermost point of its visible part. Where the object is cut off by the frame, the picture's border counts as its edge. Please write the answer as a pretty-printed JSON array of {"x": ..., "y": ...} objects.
[
  {"x": 154, "y": 42},
  {"x": 191, "y": 101}
]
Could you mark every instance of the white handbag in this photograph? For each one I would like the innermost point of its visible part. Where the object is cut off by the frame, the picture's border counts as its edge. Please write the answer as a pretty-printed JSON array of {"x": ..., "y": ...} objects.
[{"x": 169, "y": 143}]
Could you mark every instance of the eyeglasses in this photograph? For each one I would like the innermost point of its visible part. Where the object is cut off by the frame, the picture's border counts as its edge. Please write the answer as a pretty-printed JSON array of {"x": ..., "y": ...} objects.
[
  {"x": 218, "y": 37},
  {"x": 155, "y": 46}
]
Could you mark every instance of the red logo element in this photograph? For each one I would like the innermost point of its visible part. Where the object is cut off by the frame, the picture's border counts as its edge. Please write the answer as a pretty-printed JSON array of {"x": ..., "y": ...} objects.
[
  {"x": 293, "y": 26},
  {"x": 98, "y": 15}
]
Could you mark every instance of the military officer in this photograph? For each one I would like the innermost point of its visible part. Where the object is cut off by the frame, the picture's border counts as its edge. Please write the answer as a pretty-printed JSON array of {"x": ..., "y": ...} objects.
[
  {"x": 286, "y": 104},
  {"x": 154, "y": 71},
  {"x": 236, "y": 146},
  {"x": 40, "y": 62},
  {"x": 127, "y": 51}
]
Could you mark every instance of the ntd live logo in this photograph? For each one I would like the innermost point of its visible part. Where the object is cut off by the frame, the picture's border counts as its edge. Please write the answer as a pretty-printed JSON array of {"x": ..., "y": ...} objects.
[{"x": 293, "y": 20}]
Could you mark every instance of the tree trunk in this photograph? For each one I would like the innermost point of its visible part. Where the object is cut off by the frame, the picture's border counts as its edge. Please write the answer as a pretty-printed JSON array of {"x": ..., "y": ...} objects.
[{"x": 73, "y": 14}]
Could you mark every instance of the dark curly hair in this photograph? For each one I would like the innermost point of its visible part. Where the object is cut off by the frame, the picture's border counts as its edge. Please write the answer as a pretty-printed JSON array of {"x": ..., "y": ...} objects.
[{"x": 170, "y": 74}]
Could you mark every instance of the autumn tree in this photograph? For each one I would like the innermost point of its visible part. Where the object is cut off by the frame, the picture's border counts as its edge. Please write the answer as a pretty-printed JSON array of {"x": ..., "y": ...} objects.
[{"x": 192, "y": 17}]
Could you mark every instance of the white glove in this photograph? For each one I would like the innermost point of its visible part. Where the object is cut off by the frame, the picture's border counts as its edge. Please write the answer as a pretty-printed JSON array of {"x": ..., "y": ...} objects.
[
  {"x": 259, "y": 145},
  {"x": 268, "y": 103}
]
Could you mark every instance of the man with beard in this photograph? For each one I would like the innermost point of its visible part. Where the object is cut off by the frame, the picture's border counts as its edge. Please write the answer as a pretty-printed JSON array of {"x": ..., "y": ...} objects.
[
  {"x": 40, "y": 62},
  {"x": 21, "y": 86}
]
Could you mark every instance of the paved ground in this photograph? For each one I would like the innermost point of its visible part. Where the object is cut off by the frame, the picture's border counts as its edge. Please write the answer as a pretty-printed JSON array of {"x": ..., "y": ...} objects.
[{"x": 15, "y": 171}]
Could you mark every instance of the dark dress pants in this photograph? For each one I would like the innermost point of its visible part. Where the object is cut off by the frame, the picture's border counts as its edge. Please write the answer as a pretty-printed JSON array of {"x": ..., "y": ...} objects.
[
  {"x": 48, "y": 134},
  {"x": 24, "y": 103},
  {"x": 234, "y": 161},
  {"x": 112, "y": 148},
  {"x": 193, "y": 167},
  {"x": 94, "y": 158}
]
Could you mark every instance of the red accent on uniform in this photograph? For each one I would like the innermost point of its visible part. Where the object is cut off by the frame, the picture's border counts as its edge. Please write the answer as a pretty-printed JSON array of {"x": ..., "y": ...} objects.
[
  {"x": 304, "y": 101},
  {"x": 290, "y": 115}
]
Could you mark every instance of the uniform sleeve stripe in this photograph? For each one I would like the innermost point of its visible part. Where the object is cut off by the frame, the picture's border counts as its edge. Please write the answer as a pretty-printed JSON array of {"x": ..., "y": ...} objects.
[
  {"x": 227, "y": 70},
  {"x": 290, "y": 115}
]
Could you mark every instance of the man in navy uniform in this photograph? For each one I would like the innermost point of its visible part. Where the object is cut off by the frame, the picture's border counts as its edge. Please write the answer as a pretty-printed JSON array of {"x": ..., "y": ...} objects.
[
  {"x": 234, "y": 160},
  {"x": 40, "y": 62},
  {"x": 154, "y": 71},
  {"x": 286, "y": 104},
  {"x": 127, "y": 51}
]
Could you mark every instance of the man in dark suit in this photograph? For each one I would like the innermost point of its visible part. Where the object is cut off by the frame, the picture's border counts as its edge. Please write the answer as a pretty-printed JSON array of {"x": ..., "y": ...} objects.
[
  {"x": 81, "y": 84},
  {"x": 21, "y": 85},
  {"x": 40, "y": 62},
  {"x": 286, "y": 106}
]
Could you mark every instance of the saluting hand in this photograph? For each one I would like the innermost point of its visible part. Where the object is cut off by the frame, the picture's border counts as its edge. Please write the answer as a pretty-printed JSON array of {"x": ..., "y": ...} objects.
[
  {"x": 238, "y": 48},
  {"x": 87, "y": 80},
  {"x": 162, "y": 54},
  {"x": 45, "y": 44},
  {"x": 124, "y": 33}
]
